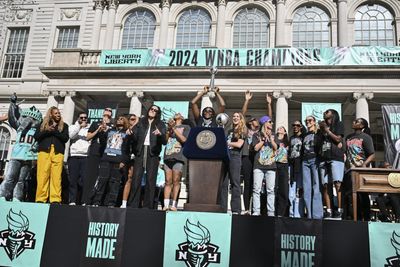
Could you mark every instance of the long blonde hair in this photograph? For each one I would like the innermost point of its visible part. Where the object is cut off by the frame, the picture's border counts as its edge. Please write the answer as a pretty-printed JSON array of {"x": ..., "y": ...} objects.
[
  {"x": 240, "y": 129},
  {"x": 46, "y": 121}
]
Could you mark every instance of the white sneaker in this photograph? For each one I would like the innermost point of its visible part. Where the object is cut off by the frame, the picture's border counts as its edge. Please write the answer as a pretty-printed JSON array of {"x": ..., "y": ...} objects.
[
  {"x": 72, "y": 204},
  {"x": 123, "y": 206}
]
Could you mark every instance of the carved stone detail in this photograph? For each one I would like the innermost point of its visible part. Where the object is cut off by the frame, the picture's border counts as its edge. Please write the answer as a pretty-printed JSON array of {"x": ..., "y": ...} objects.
[
  {"x": 112, "y": 4},
  {"x": 285, "y": 94},
  {"x": 165, "y": 3},
  {"x": 366, "y": 95},
  {"x": 138, "y": 94},
  {"x": 99, "y": 4},
  {"x": 19, "y": 15},
  {"x": 70, "y": 14}
]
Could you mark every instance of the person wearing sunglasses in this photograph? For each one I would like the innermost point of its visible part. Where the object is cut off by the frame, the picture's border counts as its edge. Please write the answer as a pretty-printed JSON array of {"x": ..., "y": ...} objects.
[
  {"x": 77, "y": 156},
  {"x": 112, "y": 168},
  {"x": 265, "y": 148},
  {"x": 331, "y": 166},
  {"x": 174, "y": 160},
  {"x": 311, "y": 183},
  {"x": 360, "y": 153},
  {"x": 147, "y": 139},
  {"x": 295, "y": 171},
  {"x": 208, "y": 115},
  {"x": 133, "y": 120},
  {"x": 97, "y": 136}
]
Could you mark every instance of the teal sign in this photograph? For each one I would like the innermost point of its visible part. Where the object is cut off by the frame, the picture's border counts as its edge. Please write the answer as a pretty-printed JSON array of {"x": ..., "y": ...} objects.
[
  {"x": 197, "y": 239},
  {"x": 257, "y": 57},
  {"x": 22, "y": 231},
  {"x": 384, "y": 244},
  {"x": 317, "y": 110}
]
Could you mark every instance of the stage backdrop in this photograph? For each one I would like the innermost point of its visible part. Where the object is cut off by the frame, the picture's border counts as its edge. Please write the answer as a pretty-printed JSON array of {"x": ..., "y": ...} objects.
[
  {"x": 317, "y": 110},
  {"x": 261, "y": 57},
  {"x": 391, "y": 130}
]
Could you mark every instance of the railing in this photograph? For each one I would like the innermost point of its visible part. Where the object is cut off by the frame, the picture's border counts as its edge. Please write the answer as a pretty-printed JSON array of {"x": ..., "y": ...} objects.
[
  {"x": 75, "y": 58},
  {"x": 90, "y": 58}
]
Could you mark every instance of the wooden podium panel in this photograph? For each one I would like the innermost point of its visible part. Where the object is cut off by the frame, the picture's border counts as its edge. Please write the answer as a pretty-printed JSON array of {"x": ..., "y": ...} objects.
[
  {"x": 371, "y": 180},
  {"x": 204, "y": 185}
]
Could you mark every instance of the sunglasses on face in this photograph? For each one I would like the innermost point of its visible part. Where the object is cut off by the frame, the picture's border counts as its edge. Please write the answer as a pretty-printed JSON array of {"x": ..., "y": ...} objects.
[
  {"x": 309, "y": 120},
  {"x": 154, "y": 109},
  {"x": 208, "y": 110},
  {"x": 296, "y": 125},
  {"x": 83, "y": 118},
  {"x": 108, "y": 109}
]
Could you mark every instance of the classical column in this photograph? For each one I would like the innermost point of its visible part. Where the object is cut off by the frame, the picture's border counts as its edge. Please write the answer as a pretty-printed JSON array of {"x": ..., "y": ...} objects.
[
  {"x": 362, "y": 110},
  {"x": 69, "y": 107},
  {"x": 282, "y": 109},
  {"x": 98, "y": 7},
  {"x": 112, "y": 7},
  {"x": 68, "y": 114},
  {"x": 165, "y": 5},
  {"x": 220, "y": 37},
  {"x": 136, "y": 105},
  {"x": 280, "y": 23},
  {"x": 342, "y": 23},
  {"x": 51, "y": 98}
]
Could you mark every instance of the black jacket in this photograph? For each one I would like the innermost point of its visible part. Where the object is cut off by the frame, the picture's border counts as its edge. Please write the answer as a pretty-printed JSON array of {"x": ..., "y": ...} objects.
[
  {"x": 156, "y": 142},
  {"x": 47, "y": 138}
]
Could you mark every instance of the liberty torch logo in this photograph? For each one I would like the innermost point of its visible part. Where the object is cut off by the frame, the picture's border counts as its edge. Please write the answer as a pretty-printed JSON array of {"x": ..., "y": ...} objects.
[
  {"x": 197, "y": 251},
  {"x": 16, "y": 238},
  {"x": 394, "y": 260}
]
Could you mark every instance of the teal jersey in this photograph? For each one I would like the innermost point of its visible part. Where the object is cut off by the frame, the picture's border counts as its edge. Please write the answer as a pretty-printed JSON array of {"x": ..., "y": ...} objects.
[{"x": 24, "y": 146}]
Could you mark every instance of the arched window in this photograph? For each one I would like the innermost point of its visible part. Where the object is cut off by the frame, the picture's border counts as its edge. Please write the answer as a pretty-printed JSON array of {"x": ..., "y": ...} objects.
[
  {"x": 5, "y": 140},
  {"x": 139, "y": 30},
  {"x": 310, "y": 27},
  {"x": 193, "y": 29},
  {"x": 373, "y": 26},
  {"x": 250, "y": 29}
]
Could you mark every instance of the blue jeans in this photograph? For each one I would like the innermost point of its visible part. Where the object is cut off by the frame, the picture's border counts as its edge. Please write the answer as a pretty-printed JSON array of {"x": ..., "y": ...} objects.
[
  {"x": 311, "y": 189},
  {"x": 259, "y": 176},
  {"x": 17, "y": 173},
  {"x": 331, "y": 170}
]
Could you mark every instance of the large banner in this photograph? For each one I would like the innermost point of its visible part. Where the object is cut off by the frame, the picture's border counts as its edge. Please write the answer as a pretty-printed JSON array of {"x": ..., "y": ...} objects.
[
  {"x": 298, "y": 243},
  {"x": 259, "y": 57},
  {"x": 391, "y": 130},
  {"x": 22, "y": 232},
  {"x": 317, "y": 110},
  {"x": 104, "y": 237},
  {"x": 197, "y": 239},
  {"x": 384, "y": 244}
]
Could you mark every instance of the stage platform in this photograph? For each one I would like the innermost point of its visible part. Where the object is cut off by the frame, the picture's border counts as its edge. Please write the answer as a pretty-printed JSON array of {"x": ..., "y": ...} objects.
[{"x": 62, "y": 235}]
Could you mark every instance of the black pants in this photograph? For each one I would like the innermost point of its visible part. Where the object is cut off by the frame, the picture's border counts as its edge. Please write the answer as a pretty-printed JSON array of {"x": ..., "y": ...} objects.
[
  {"x": 92, "y": 172},
  {"x": 233, "y": 177},
  {"x": 282, "y": 189},
  {"x": 247, "y": 171},
  {"x": 108, "y": 183},
  {"x": 152, "y": 163},
  {"x": 76, "y": 170}
]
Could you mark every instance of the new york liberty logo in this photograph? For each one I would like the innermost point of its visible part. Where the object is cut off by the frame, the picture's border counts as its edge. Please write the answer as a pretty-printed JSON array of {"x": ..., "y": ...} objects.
[
  {"x": 394, "y": 260},
  {"x": 16, "y": 238},
  {"x": 197, "y": 251}
]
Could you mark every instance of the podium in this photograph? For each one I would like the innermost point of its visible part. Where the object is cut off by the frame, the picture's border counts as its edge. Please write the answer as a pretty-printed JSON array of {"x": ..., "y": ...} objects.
[{"x": 207, "y": 154}]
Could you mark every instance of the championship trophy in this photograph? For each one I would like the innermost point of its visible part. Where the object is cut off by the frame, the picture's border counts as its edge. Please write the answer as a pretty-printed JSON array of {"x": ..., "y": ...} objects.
[{"x": 211, "y": 90}]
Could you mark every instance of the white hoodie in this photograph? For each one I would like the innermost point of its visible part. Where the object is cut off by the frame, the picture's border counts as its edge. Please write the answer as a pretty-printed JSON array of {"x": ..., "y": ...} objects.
[{"x": 79, "y": 145}]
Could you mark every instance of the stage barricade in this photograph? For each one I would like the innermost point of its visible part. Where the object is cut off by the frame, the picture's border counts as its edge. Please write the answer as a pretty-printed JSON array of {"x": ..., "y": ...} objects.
[{"x": 60, "y": 235}]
